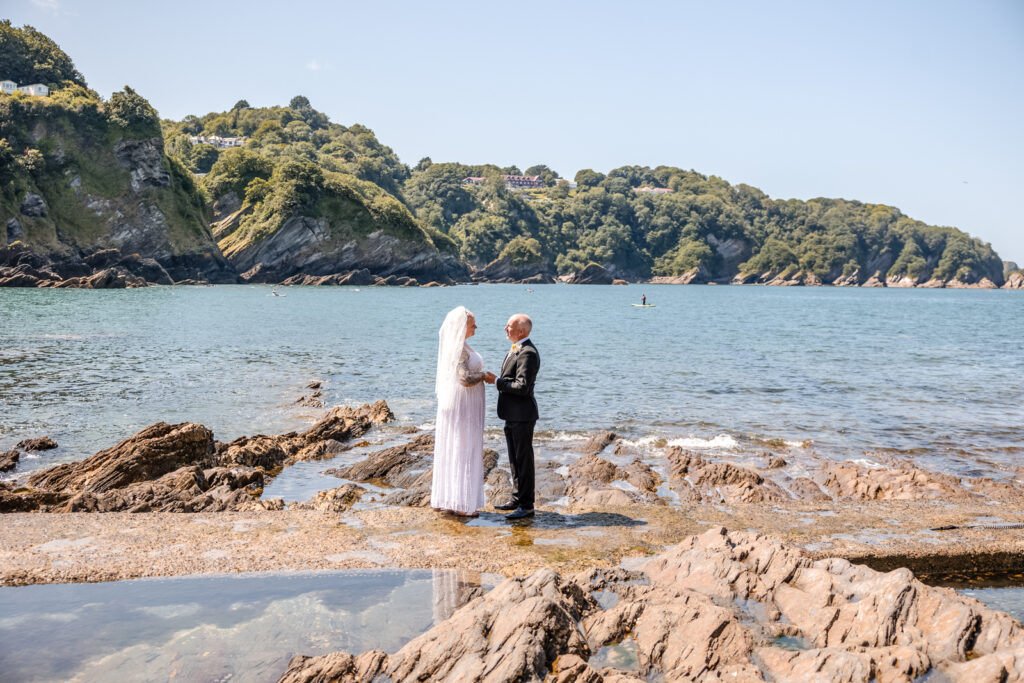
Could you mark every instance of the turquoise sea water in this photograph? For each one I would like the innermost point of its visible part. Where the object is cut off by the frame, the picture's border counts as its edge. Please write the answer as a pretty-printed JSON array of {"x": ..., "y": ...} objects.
[{"x": 931, "y": 375}]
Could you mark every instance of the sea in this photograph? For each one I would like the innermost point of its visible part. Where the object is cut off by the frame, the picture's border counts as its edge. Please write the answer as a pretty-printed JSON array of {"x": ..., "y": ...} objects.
[{"x": 874, "y": 376}]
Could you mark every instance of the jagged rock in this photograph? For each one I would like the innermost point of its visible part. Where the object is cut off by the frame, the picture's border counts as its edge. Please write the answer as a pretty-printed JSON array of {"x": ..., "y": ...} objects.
[
  {"x": 876, "y": 280},
  {"x": 43, "y": 443},
  {"x": 620, "y": 282},
  {"x": 593, "y": 274},
  {"x": 151, "y": 453},
  {"x": 592, "y": 469},
  {"x": 597, "y": 443},
  {"x": 513, "y": 633},
  {"x": 1015, "y": 280},
  {"x": 33, "y": 206},
  {"x": 144, "y": 161},
  {"x": 333, "y": 500},
  {"x": 261, "y": 450},
  {"x": 104, "y": 258},
  {"x": 805, "y": 489},
  {"x": 26, "y": 500},
  {"x": 9, "y": 460},
  {"x": 846, "y": 480},
  {"x": 507, "y": 269},
  {"x": 320, "y": 450},
  {"x": 697, "y": 479},
  {"x": 775, "y": 462},
  {"x": 707, "y": 610},
  {"x": 343, "y": 423},
  {"x": 640, "y": 475},
  {"x": 392, "y": 465},
  {"x": 417, "y": 497}
]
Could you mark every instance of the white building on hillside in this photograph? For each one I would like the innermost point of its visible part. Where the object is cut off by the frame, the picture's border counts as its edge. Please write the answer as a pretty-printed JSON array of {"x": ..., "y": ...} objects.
[{"x": 36, "y": 89}]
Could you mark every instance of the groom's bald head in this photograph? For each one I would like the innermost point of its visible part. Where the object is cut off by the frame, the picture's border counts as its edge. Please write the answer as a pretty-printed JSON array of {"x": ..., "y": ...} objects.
[{"x": 518, "y": 327}]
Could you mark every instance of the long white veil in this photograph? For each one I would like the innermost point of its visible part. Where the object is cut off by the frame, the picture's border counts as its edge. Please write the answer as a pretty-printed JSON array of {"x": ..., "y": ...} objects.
[{"x": 451, "y": 339}]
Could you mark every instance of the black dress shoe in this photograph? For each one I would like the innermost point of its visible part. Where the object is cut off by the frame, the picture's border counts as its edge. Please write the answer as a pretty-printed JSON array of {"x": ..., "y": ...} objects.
[
  {"x": 507, "y": 506},
  {"x": 520, "y": 513}
]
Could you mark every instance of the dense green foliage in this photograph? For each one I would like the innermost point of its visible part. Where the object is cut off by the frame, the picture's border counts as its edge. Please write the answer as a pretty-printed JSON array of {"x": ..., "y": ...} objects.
[
  {"x": 27, "y": 56},
  {"x": 704, "y": 223},
  {"x": 61, "y": 147}
]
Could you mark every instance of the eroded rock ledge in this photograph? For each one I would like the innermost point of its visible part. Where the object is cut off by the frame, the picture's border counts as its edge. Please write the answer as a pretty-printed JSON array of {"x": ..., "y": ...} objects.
[
  {"x": 734, "y": 606},
  {"x": 180, "y": 468}
]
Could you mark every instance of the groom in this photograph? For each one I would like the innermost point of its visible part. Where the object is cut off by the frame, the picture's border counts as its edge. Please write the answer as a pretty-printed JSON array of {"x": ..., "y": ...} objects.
[{"x": 518, "y": 408}]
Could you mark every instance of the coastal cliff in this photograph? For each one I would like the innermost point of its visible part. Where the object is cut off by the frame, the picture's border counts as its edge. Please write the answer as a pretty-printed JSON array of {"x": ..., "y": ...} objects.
[{"x": 86, "y": 187}]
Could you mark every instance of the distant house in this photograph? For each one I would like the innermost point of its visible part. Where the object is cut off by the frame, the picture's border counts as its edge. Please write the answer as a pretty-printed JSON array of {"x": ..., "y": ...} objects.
[
  {"x": 36, "y": 90},
  {"x": 217, "y": 141},
  {"x": 654, "y": 190},
  {"x": 512, "y": 182},
  {"x": 522, "y": 181}
]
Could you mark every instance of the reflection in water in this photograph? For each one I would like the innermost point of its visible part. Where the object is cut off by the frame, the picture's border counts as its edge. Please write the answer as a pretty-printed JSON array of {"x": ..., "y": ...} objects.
[
  {"x": 453, "y": 588},
  {"x": 241, "y": 627}
]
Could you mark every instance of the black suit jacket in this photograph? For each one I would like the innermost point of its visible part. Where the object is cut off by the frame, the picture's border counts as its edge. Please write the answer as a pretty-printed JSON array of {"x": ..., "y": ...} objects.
[{"x": 515, "y": 386}]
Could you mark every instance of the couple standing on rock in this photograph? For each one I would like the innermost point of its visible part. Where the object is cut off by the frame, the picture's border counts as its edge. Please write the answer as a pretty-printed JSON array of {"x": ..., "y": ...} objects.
[{"x": 458, "y": 484}]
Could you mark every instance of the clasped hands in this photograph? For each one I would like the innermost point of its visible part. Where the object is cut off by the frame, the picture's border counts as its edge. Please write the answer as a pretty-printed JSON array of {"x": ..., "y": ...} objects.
[{"x": 489, "y": 377}]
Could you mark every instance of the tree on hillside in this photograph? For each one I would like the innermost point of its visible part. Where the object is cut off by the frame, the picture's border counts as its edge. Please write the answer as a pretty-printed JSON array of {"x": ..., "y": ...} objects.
[
  {"x": 240, "y": 104},
  {"x": 299, "y": 102},
  {"x": 132, "y": 111},
  {"x": 28, "y": 56}
]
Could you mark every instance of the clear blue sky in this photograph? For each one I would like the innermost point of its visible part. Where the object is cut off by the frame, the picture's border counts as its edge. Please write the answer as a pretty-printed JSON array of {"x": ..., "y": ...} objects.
[{"x": 915, "y": 104}]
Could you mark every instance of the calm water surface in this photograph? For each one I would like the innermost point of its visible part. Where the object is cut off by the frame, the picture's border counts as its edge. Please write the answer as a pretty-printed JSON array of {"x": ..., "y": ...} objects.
[
  {"x": 837, "y": 373},
  {"x": 217, "y": 628}
]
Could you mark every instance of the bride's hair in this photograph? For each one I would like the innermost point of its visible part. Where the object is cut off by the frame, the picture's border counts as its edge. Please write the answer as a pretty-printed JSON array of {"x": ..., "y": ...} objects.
[{"x": 451, "y": 339}]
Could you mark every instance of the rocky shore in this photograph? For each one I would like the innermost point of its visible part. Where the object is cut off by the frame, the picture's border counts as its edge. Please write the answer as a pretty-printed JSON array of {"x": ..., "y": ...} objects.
[
  {"x": 718, "y": 606},
  {"x": 778, "y": 602}
]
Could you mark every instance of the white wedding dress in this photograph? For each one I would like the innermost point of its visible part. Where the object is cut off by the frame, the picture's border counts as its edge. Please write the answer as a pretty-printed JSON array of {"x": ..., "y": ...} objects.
[{"x": 458, "y": 483}]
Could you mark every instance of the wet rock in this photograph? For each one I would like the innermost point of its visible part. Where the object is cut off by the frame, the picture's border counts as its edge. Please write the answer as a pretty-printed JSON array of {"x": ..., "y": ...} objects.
[
  {"x": 416, "y": 496},
  {"x": 313, "y": 385},
  {"x": 597, "y": 443},
  {"x": 698, "y": 479},
  {"x": 709, "y": 609},
  {"x": 43, "y": 443},
  {"x": 313, "y": 400},
  {"x": 261, "y": 450},
  {"x": 320, "y": 450},
  {"x": 9, "y": 460},
  {"x": 513, "y": 633},
  {"x": 774, "y": 462},
  {"x": 391, "y": 465},
  {"x": 498, "y": 487},
  {"x": 343, "y": 423},
  {"x": 153, "y": 452},
  {"x": 18, "y": 499},
  {"x": 333, "y": 500}
]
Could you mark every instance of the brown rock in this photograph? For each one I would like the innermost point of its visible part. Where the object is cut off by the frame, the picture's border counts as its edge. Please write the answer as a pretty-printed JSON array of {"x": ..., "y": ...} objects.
[
  {"x": 333, "y": 500},
  {"x": 261, "y": 450},
  {"x": 597, "y": 443},
  {"x": 719, "y": 482},
  {"x": 153, "y": 452},
  {"x": 513, "y": 633},
  {"x": 640, "y": 475},
  {"x": 343, "y": 423},
  {"x": 391, "y": 465},
  {"x": 9, "y": 460},
  {"x": 592, "y": 469},
  {"x": 846, "y": 480},
  {"x": 43, "y": 443}
]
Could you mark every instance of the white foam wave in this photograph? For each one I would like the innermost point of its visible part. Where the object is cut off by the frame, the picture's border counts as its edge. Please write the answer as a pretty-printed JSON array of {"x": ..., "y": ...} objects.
[
  {"x": 870, "y": 464},
  {"x": 696, "y": 443}
]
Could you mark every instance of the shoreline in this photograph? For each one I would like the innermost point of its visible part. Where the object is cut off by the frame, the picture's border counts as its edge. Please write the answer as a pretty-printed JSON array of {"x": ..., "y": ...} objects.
[{"x": 92, "y": 547}]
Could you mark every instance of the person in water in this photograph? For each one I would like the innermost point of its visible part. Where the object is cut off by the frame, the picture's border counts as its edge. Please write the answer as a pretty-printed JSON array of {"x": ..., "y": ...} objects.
[{"x": 643, "y": 299}]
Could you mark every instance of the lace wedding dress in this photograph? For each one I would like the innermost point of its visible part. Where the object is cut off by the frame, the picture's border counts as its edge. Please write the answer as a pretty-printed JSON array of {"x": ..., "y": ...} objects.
[{"x": 458, "y": 483}]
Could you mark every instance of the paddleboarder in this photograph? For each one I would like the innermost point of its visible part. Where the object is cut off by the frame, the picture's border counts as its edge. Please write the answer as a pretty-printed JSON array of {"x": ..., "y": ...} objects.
[{"x": 643, "y": 299}]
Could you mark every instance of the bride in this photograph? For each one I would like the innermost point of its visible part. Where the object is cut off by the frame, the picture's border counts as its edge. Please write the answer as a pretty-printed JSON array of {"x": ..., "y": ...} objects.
[{"x": 458, "y": 484}]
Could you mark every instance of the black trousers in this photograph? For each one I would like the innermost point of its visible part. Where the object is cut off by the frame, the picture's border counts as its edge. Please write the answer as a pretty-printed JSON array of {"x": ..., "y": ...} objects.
[{"x": 519, "y": 437}]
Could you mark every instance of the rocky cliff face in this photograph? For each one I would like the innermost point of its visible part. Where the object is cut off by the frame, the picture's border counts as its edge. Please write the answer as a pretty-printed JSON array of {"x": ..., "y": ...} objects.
[
  {"x": 333, "y": 237},
  {"x": 97, "y": 189}
]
